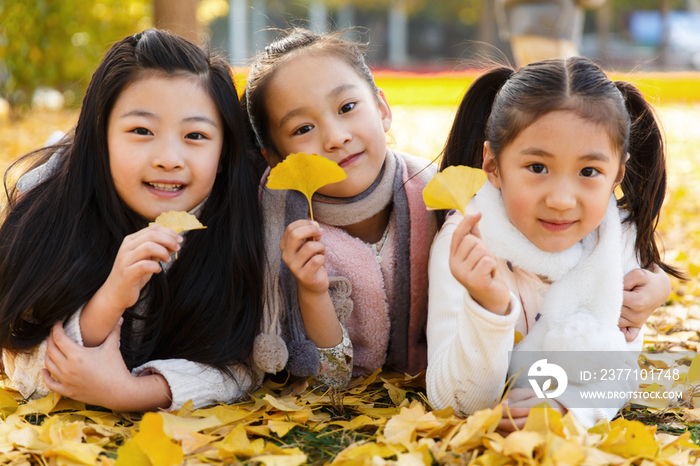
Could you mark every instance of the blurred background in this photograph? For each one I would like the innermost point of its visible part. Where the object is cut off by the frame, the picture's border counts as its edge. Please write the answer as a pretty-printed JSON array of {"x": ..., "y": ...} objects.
[
  {"x": 424, "y": 54},
  {"x": 51, "y": 44}
]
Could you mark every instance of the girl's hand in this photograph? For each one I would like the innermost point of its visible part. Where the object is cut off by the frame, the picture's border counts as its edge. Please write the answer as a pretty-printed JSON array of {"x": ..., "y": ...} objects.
[
  {"x": 99, "y": 375},
  {"x": 519, "y": 402},
  {"x": 475, "y": 267},
  {"x": 306, "y": 258},
  {"x": 305, "y": 255},
  {"x": 645, "y": 290},
  {"x": 137, "y": 260}
]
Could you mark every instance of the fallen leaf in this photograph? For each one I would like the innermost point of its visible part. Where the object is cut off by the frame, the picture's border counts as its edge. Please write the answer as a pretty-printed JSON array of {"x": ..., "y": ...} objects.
[
  {"x": 281, "y": 460},
  {"x": 305, "y": 173},
  {"x": 152, "y": 440},
  {"x": 522, "y": 443},
  {"x": 129, "y": 454},
  {"x": 453, "y": 187},
  {"x": 178, "y": 221}
]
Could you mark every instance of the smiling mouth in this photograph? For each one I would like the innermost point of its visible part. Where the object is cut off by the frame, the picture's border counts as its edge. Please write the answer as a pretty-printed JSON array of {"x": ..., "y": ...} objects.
[
  {"x": 556, "y": 226},
  {"x": 348, "y": 160},
  {"x": 166, "y": 187}
]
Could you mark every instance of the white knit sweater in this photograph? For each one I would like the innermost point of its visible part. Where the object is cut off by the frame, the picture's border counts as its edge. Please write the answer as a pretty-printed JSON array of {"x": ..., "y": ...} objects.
[{"x": 468, "y": 346}]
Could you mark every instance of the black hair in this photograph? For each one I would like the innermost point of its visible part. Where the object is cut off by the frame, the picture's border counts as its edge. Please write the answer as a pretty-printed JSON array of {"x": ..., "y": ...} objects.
[
  {"x": 59, "y": 240},
  {"x": 502, "y": 102}
]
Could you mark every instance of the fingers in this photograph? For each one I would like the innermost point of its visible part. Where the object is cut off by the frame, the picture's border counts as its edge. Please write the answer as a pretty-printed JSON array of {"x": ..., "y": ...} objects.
[
  {"x": 305, "y": 257},
  {"x": 507, "y": 426},
  {"x": 463, "y": 229},
  {"x": 299, "y": 232},
  {"x": 52, "y": 384},
  {"x": 517, "y": 395},
  {"x": 152, "y": 243},
  {"x": 630, "y": 333},
  {"x": 635, "y": 278}
]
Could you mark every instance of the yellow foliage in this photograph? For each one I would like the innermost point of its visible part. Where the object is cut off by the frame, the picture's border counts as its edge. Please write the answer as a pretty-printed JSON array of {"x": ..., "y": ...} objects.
[
  {"x": 305, "y": 173},
  {"x": 178, "y": 221},
  {"x": 453, "y": 187}
]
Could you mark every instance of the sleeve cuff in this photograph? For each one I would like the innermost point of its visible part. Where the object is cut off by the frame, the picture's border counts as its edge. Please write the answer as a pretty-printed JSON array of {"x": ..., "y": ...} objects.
[
  {"x": 336, "y": 363},
  {"x": 204, "y": 385}
]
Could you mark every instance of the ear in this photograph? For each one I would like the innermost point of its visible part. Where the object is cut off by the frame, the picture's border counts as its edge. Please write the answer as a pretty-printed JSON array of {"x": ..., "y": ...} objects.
[
  {"x": 267, "y": 157},
  {"x": 621, "y": 173},
  {"x": 490, "y": 166},
  {"x": 384, "y": 111}
]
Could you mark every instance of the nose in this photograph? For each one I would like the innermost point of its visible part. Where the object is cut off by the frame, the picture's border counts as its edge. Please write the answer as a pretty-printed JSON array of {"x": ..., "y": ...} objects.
[
  {"x": 335, "y": 137},
  {"x": 169, "y": 154},
  {"x": 561, "y": 196}
]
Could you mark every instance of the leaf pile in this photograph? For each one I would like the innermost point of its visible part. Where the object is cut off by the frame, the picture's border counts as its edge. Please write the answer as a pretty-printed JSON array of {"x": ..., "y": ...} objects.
[{"x": 380, "y": 419}]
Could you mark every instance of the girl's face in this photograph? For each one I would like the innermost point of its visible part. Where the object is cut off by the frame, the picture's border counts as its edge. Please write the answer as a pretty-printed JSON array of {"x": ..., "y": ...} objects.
[
  {"x": 319, "y": 104},
  {"x": 556, "y": 178},
  {"x": 164, "y": 137}
]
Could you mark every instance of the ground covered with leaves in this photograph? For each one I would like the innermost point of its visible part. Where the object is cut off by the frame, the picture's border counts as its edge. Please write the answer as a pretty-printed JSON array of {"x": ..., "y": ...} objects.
[
  {"x": 386, "y": 417},
  {"x": 380, "y": 419}
]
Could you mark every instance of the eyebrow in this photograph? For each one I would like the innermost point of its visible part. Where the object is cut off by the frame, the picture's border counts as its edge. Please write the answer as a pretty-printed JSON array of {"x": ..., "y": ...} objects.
[
  {"x": 153, "y": 116},
  {"x": 592, "y": 156},
  {"x": 333, "y": 93}
]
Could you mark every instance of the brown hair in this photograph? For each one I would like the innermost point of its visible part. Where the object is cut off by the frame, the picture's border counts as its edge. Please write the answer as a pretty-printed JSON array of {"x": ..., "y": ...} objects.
[
  {"x": 267, "y": 62},
  {"x": 501, "y": 103}
]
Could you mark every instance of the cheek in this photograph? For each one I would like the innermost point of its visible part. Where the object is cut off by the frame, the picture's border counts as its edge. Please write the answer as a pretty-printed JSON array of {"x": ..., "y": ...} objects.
[{"x": 519, "y": 205}]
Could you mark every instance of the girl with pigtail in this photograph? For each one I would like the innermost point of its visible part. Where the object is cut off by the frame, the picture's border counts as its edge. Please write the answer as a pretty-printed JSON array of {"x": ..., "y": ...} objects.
[{"x": 557, "y": 262}]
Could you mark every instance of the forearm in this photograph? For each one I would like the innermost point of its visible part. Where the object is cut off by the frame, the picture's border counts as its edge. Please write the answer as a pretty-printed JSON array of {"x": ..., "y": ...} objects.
[
  {"x": 146, "y": 393},
  {"x": 98, "y": 318},
  {"x": 320, "y": 319},
  {"x": 467, "y": 345},
  {"x": 203, "y": 384}
]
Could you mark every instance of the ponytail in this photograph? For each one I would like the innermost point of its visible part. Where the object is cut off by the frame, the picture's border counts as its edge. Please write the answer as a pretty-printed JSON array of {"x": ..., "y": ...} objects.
[
  {"x": 644, "y": 184},
  {"x": 465, "y": 143}
]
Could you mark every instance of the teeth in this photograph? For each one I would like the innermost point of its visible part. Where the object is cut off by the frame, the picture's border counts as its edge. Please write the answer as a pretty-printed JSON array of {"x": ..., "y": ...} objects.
[{"x": 166, "y": 187}]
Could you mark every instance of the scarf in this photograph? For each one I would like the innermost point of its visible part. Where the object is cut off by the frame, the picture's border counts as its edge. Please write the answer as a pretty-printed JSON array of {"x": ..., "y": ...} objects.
[
  {"x": 283, "y": 342},
  {"x": 582, "y": 306}
]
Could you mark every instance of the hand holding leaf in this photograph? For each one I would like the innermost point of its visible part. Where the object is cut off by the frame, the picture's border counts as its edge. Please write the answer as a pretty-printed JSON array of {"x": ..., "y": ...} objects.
[
  {"x": 305, "y": 173},
  {"x": 453, "y": 187}
]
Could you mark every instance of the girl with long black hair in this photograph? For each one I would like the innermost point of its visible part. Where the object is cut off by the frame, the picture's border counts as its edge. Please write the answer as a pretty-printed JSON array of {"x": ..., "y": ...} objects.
[{"x": 94, "y": 304}]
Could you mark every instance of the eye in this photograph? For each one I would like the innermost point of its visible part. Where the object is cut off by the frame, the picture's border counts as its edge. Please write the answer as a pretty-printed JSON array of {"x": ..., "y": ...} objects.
[
  {"x": 347, "y": 107},
  {"x": 304, "y": 129},
  {"x": 589, "y": 171},
  {"x": 537, "y": 168},
  {"x": 141, "y": 131},
  {"x": 195, "y": 136}
]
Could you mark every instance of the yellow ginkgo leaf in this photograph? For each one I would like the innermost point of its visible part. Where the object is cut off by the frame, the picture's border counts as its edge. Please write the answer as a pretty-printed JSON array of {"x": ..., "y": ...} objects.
[
  {"x": 305, "y": 173},
  {"x": 152, "y": 440},
  {"x": 178, "y": 221},
  {"x": 453, "y": 187}
]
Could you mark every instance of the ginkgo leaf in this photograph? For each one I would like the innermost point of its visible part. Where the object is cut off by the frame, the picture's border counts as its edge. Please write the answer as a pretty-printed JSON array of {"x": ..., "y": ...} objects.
[
  {"x": 453, "y": 187},
  {"x": 152, "y": 440},
  {"x": 305, "y": 173},
  {"x": 178, "y": 221}
]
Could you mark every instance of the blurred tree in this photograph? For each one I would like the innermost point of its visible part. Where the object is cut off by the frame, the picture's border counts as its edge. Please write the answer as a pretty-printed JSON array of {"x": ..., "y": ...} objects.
[
  {"x": 59, "y": 43},
  {"x": 178, "y": 16}
]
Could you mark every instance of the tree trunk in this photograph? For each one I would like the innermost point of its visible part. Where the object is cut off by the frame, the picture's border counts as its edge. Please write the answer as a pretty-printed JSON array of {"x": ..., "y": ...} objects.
[{"x": 179, "y": 17}]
